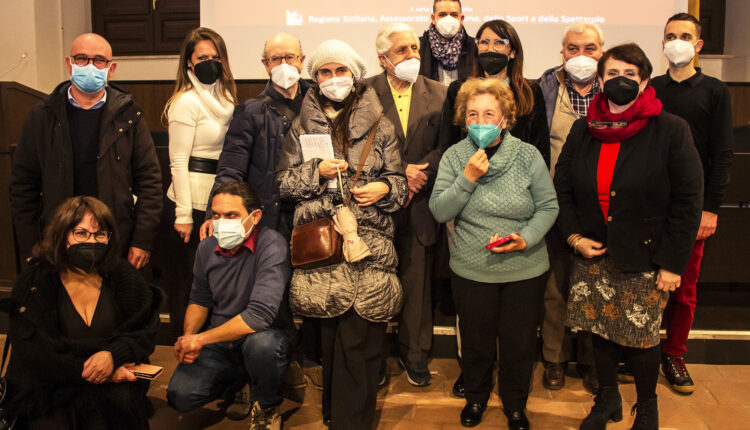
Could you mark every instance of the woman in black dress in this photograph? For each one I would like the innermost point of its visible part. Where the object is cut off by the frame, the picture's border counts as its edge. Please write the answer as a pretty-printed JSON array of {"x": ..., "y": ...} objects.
[{"x": 80, "y": 318}]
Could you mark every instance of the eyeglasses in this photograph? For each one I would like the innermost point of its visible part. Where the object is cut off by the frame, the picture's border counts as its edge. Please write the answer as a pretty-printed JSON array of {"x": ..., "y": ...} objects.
[
  {"x": 82, "y": 235},
  {"x": 497, "y": 44},
  {"x": 83, "y": 60},
  {"x": 288, "y": 59}
]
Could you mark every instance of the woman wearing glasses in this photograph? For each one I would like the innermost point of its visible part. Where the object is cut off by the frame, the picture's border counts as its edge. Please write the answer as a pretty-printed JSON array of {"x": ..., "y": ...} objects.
[
  {"x": 199, "y": 113},
  {"x": 80, "y": 317}
]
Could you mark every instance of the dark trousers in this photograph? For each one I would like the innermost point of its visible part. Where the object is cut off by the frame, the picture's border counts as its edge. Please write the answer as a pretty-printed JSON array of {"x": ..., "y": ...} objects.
[
  {"x": 178, "y": 265},
  {"x": 415, "y": 274},
  {"x": 508, "y": 314},
  {"x": 351, "y": 350}
]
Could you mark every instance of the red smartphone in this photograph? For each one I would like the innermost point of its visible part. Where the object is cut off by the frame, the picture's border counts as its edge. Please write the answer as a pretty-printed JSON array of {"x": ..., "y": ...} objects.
[{"x": 500, "y": 241}]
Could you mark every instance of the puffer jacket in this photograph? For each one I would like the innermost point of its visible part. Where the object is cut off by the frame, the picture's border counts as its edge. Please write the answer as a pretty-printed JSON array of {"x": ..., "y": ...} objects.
[{"x": 371, "y": 285}]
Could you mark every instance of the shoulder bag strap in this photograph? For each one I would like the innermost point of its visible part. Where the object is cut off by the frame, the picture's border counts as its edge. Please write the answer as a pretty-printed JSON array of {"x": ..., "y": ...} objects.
[
  {"x": 281, "y": 107},
  {"x": 363, "y": 158},
  {"x": 6, "y": 349}
]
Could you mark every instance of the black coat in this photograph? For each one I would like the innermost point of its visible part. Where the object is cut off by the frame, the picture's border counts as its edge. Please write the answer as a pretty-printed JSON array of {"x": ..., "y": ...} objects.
[
  {"x": 531, "y": 128},
  {"x": 251, "y": 150},
  {"x": 43, "y": 364},
  {"x": 429, "y": 64},
  {"x": 42, "y": 173},
  {"x": 655, "y": 196}
]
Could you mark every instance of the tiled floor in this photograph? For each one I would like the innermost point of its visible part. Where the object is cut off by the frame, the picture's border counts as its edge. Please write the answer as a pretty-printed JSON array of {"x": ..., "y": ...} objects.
[{"x": 721, "y": 401}]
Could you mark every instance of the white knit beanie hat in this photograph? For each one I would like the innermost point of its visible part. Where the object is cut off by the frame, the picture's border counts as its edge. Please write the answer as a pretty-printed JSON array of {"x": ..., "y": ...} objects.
[{"x": 335, "y": 51}]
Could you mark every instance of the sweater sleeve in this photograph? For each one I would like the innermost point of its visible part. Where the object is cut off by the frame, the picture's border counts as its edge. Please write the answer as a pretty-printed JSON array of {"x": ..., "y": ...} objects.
[
  {"x": 451, "y": 192},
  {"x": 545, "y": 203},
  {"x": 269, "y": 285},
  {"x": 183, "y": 118}
]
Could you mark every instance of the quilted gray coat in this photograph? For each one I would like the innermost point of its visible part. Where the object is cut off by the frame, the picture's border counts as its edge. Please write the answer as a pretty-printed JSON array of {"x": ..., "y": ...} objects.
[{"x": 371, "y": 285}]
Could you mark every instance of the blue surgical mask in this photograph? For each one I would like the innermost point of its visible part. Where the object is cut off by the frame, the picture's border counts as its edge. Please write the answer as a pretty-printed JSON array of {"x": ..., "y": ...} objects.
[
  {"x": 230, "y": 233},
  {"x": 88, "y": 78},
  {"x": 484, "y": 134}
]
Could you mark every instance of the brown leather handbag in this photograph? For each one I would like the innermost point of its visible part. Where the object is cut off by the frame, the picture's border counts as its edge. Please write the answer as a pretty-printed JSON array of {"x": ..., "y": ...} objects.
[{"x": 317, "y": 243}]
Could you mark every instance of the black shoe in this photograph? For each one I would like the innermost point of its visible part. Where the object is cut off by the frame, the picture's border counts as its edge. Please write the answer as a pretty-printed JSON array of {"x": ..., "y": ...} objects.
[
  {"x": 517, "y": 421},
  {"x": 647, "y": 417},
  {"x": 554, "y": 375},
  {"x": 458, "y": 387},
  {"x": 588, "y": 375},
  {"x": 624, "y": 374},
  {"x": 677, "y": 374},
  {"x": 417, "y": 372},
  {"x": 382, "y": 376},
  {"x": 471, "y": 415},
  {"x": 607, "y": 406}
]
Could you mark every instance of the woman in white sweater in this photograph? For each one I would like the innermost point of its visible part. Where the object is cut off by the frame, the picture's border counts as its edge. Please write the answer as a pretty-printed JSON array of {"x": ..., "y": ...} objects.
[{"x": 198, "y": 114}]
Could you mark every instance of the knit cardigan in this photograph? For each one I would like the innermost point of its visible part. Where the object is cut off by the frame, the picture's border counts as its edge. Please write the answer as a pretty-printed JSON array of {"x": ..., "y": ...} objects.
[{"x": 516, "y": 195}]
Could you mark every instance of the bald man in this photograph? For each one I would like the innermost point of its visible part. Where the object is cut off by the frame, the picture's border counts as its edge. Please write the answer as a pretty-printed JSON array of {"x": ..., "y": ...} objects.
[
  {"x": 88, "y": 138},
  {"x": 253, "y": 141}
]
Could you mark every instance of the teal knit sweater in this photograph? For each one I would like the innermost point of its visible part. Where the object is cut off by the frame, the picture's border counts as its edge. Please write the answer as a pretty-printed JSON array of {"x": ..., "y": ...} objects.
[{"x": 516, "y": 195}]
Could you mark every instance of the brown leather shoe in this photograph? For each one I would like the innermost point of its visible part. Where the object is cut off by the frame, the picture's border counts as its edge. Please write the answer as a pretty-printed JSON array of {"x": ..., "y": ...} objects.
[{"x": 554, "y": 375}]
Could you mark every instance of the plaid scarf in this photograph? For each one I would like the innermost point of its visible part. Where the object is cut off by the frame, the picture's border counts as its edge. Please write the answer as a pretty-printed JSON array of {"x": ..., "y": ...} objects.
[{"x": 446, "y": 51}]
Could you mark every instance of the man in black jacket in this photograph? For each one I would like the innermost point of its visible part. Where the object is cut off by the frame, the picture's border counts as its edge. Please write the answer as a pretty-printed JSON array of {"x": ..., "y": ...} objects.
[
  {"x": 448, "y": 53},
  {"x": 88, "y": 138},
  {"x": 704, "y": 102},
  {"x": 253, "y": 141}
]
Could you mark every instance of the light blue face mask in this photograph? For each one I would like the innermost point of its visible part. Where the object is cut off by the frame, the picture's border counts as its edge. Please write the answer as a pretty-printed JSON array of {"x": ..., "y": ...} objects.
[
  {"x": 484, "y": 134},
  {"x": 230, "y": 233},
  {"x": 88, "y": 78}
]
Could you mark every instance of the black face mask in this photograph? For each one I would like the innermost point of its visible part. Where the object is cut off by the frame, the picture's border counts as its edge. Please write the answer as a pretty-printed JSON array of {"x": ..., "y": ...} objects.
[
  {"x": 86, "y": 256},
  {"x": 621, "y": 90},
  {"x": 207, "y": 71},
  {"x": 493, "y": 62}
]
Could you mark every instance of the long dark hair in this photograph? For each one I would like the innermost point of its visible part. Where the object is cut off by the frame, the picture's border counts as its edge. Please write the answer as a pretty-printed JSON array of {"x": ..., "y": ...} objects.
[
  {"x": 227, "y": 87},
  {"x": 521, "y": 89},
  {"x": 54, "y": 244},
  {"x": 340, "y": 124}
]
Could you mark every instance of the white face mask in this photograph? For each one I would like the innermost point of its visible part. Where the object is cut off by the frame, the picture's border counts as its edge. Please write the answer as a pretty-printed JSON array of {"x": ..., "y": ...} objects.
[
  {"x": 448, "y": 26},
  {"x": 679, "y": 52},
  {"x": 581, "y": 68},
  {"x": 338, "y": 88},
  {"x": 230, "y": 233},
  {"x": 285, "y": 75},
  {"x": 407, "y": 70}
]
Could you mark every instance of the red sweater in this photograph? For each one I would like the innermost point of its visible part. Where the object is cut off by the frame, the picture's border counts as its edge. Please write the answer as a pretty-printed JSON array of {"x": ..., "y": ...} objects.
[{"x": 604, "y": 172}]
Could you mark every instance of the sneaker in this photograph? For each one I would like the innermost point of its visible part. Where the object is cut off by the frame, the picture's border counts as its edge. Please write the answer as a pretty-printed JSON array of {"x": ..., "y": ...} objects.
[
  {"x": 677, "y": 374},
  {"x": 315, "y": 376},
  {"x": 624, "y": 374},
  {"x": 417, "y": 373},
  {"x": 240, "y": 408},
  {"x": 294, "y": 377},
  {"x": 265, "y": 419}
]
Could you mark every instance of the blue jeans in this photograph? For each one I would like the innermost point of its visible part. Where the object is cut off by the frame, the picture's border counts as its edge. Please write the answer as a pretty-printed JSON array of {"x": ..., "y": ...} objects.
[{"x": 262, "y": 357}]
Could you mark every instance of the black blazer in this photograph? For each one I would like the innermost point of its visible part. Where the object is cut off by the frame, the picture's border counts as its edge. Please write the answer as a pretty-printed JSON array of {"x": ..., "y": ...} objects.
[
  {"x": 420, "y": 146},
  {"x": 655, "y": 199}
]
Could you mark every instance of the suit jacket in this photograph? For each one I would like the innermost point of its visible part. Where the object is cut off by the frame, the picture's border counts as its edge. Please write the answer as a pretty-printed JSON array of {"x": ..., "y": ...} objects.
[
  {"x": 655, "y": 196},
  {"x": 419, "y": 146}
]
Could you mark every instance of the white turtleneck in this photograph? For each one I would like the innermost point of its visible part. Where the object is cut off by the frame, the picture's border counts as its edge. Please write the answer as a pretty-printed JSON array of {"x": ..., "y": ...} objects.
[{"x": 198, "y": 121}]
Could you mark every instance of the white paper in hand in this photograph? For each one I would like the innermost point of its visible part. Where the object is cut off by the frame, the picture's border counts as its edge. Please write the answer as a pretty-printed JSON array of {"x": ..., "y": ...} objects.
[{"x": 317, "y": 146}]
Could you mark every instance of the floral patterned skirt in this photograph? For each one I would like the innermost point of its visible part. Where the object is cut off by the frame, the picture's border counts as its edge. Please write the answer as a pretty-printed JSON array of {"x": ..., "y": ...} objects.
[{"x": 623, "y": 307}]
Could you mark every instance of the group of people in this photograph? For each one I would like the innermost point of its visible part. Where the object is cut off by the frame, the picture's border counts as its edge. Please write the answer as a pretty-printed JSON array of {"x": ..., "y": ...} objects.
[{"x": 581, "y": 200}]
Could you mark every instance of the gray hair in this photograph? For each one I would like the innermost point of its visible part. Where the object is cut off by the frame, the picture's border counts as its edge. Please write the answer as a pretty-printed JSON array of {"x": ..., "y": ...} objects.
[
  {"x": 383, "y": 42},
  {"x": 580, "y": 27}
]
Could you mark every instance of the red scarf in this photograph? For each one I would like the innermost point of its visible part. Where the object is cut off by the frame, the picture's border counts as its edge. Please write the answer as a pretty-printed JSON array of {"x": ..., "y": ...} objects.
[{"x": 633, "y": 119}]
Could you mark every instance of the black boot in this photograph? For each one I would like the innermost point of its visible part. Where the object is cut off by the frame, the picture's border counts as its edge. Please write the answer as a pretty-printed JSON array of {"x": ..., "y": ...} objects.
[
  {"x": 647, "y": 417},
  {"x": 607, "y": 406}
]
